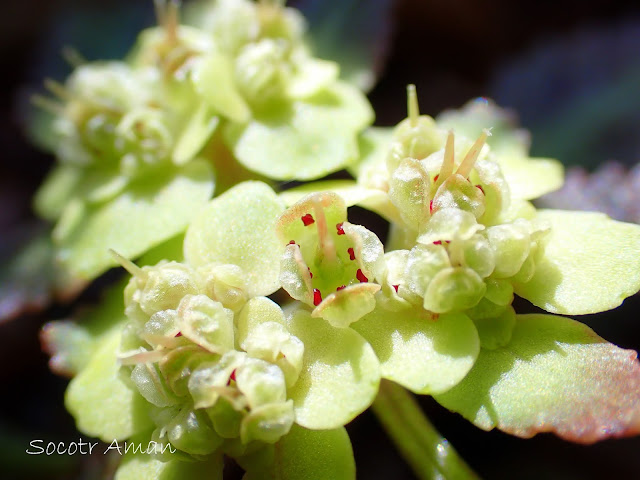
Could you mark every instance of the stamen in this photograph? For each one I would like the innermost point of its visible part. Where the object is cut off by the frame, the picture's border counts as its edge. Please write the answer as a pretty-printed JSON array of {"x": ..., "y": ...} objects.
[
  {"x": 127, "y": 264},
  {"x": 352, "y": 254},
  {"x": 447, "y": 163},
  {"x": 73, "y": 57},
  {"x": 412, "y": 105},
  {"x": 340, "y": 229},
  {"x": 317, "y": 297},
  {"x": 472, "y": 155},
  {"x": 307, "y": 219},
  {"x": 361, "y": 276},
  {"x": 57, "y": 89},
  {"x": 48, "y": 105},
  {"x": 326, "y": 248}
]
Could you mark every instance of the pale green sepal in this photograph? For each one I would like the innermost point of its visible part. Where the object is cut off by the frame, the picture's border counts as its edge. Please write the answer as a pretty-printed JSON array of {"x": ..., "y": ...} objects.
[
  {"x": 257, "y": 311},
  {"x": 340, "y": 375},
  {"x": 312, "y": 75},
  {"x": 425, "y": 354},
  {"x": 352, "y": 193},
  {"x": 494, "y": 323},
  {"x": 148, "y": 212},
  {"x": 238, "y": 227},
  {"x": 302, "y": 455},
  {"x": 348, "y": 305},
  {"x": 143, "y": 466},
  {"x": 103, "y": 402},
  {"x": 304, "y": 140},
  {"x": 371, "y": 169},
  {"x": 556, "y": 375},
  {"x": 213, "y": 80},
  {"x": 591, "y": 263}
]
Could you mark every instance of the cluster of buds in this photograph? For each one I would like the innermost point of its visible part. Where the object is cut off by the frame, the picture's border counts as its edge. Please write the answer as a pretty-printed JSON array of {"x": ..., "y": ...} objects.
[{"x": 214, "y": 364}]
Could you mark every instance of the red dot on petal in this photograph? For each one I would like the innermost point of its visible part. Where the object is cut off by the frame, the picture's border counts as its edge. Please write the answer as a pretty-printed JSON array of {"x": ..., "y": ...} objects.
[
  {"x": 431, "y": 206},
  {"x": 396, "y": 287},
  {"x": 352, "y": 255},
  {"x": 481, "y": 189},
  {"x": 307, "y": 219},
  {"x": 438, "y": 242},
  {"x": 435, "y": 179},
  {"x": 292, "y": 242},
  {"x": 179, "y": 334},
  {"x": 233, "y": 375},
  {"x": 310, "y": 274},
  {"x": 361, "y": 276},
  {"x": 340, "y": 229},
  {"x": 317, "y": 297},
  {"x": 341, "y": 287}
]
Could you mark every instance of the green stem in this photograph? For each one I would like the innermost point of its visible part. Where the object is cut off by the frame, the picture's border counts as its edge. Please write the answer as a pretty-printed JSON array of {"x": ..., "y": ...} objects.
[{"x": 429, "y": 454}]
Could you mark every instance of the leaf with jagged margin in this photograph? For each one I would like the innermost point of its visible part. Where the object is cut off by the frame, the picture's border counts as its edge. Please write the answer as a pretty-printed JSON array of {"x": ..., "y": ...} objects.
[
  {"x": 238, "y": 227},
  {"x": 150, "y": 211},
  {"x": 556, "y": 375},
  {"x": 306, "y": 139},
  {"x": 424, "y": 354},
  {"x": 340, "y": 375},
  {"x": 301, "y": 455},
  {"x": 590, "y": 264}
]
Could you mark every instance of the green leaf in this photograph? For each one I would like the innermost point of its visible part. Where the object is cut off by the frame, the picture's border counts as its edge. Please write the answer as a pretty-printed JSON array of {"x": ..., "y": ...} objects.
[
  {"x": 194, "y": 135},
  {"x": 340, "y": 375},
  {"x": 213, "y": 80},
  {"x": 590, "y": 264},
  {"x": 143, "y": 466},
  {"x": 303, "y": 454},
  {"x": 101, "y": 399},
  {"x": 556, "y": 375},
  {"x": 303, "y": 140},
  {"x": 238, "y": 228},
  {"x": 55, "y": 191},
  {"x": 424, "y": 354},
  {"x": 150, "y": 211},
  {"x": 530, "y": 178}
]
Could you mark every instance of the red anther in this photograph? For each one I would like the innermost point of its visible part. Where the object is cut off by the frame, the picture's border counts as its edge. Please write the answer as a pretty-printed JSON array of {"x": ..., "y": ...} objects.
[
  {"x": 435, "y": 179},
  {"x": 352, "y": 255},
  {"x": 341, "y": 287},
  {"x": 292, "y": 242},
  {"x": 481, "y": 189},
  {"x": 340, "y": 229},
  {"x": 310, "y": 274},
  {"x": 317, "y": 297},
  {"x": 438, "y": 242},
  {"x": 179, "y": 334},
  {"x": 360, "y": 276},
  {"x": 396, "y": 287},
  {"x": 307, "y": 219},
  {"x": 233, "y": 375},
  {"x": 431, "y": 206}
]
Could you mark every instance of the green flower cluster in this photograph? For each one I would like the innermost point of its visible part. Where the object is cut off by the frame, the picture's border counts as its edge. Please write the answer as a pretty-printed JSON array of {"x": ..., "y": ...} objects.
[
  {"x": 237, "y": 94},
  {"x": 205, "y": 351}
]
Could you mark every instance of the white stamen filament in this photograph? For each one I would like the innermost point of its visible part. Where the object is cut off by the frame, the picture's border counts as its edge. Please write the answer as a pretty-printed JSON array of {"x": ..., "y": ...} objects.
[
  {"x": 472, "y": 155},
  {"x": 412, "y": 105}
]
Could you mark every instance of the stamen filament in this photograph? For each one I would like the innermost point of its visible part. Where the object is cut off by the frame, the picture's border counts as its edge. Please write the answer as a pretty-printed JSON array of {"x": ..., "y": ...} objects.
[
  {"x": 326, "y": 247},
  {"x": 448, "y": 162},
  {"x": 472, "y": 155},
  {"x": 127, "y": 264},
  {"x": 412, "y": 105}
]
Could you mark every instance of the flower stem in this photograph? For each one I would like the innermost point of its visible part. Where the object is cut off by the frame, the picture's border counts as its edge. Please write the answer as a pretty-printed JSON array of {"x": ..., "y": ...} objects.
[{"x": 429, "y": 454}]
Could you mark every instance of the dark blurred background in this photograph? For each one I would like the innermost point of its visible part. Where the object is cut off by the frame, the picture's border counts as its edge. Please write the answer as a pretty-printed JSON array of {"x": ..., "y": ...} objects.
[{"x": 571, "y": 70}]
